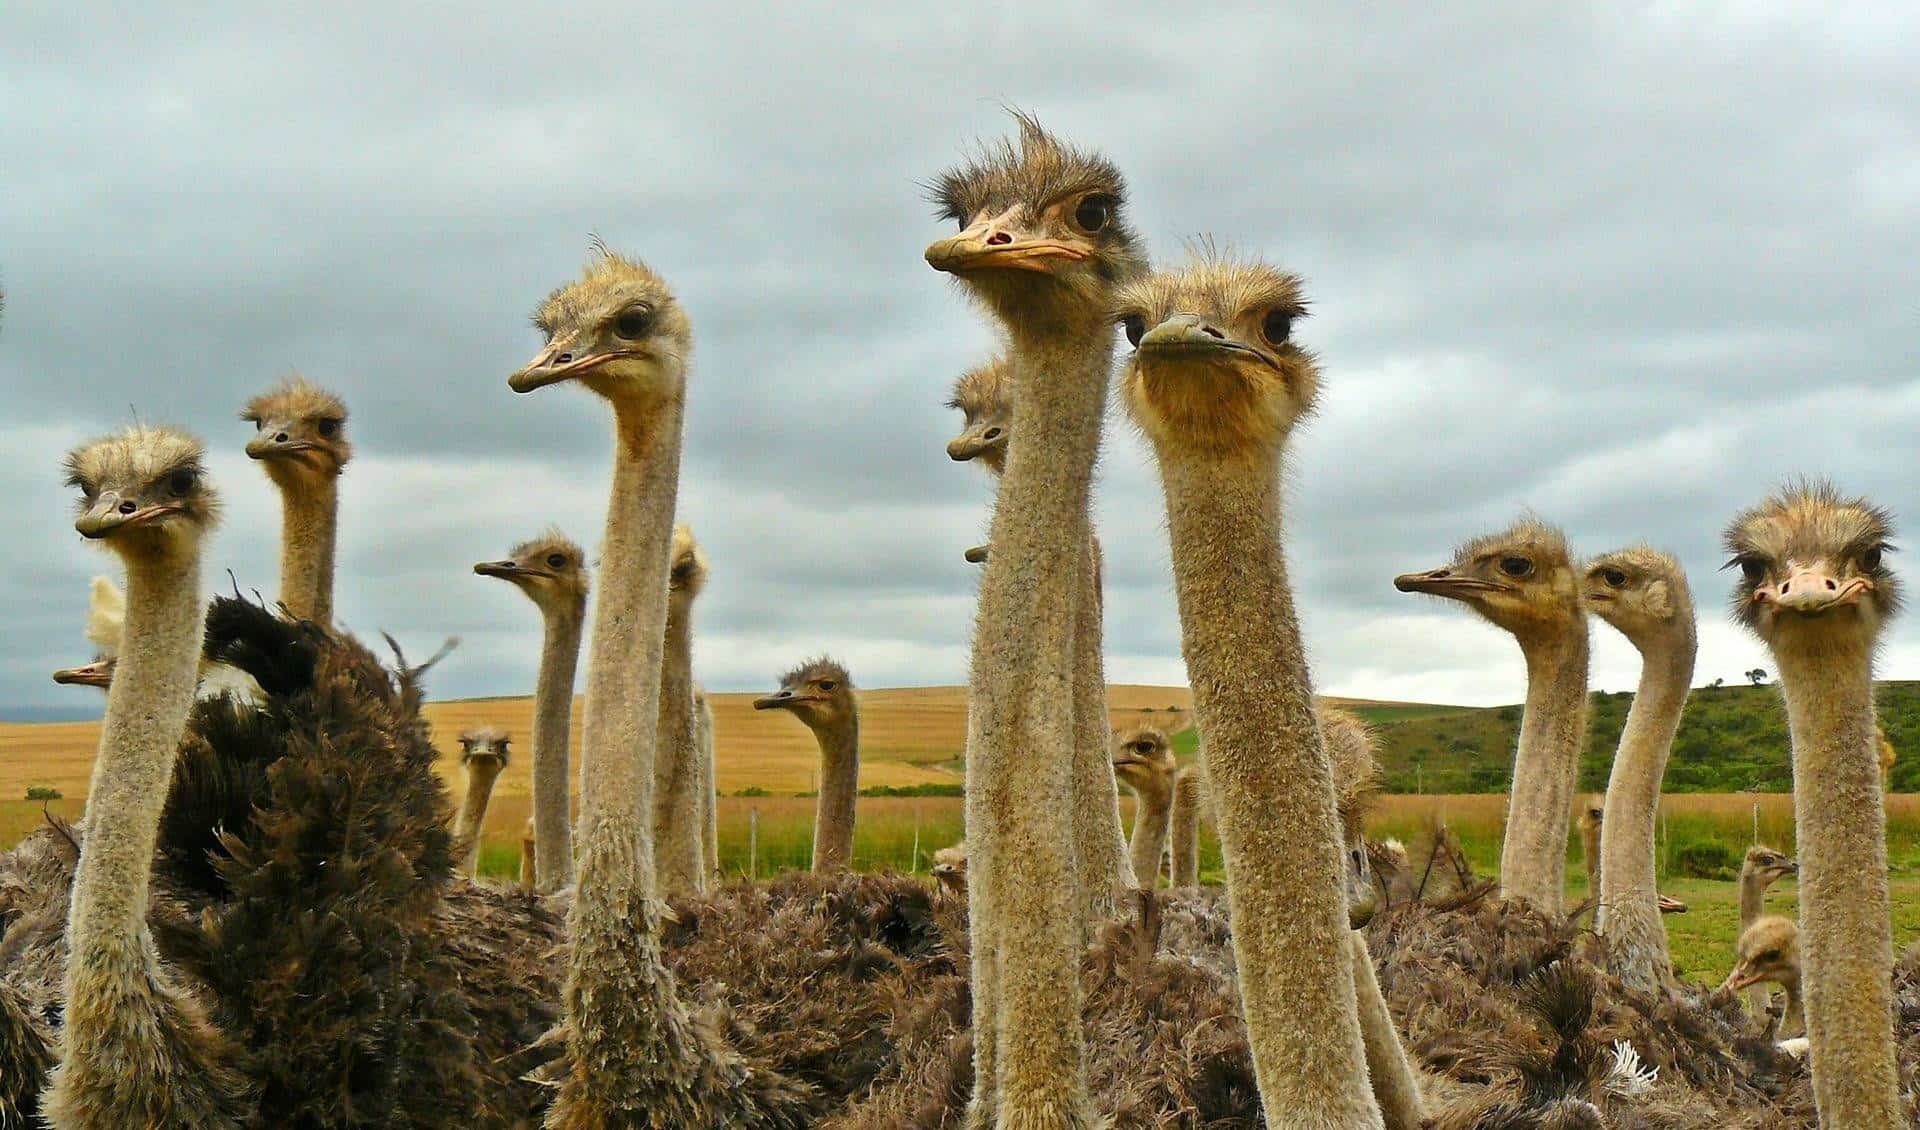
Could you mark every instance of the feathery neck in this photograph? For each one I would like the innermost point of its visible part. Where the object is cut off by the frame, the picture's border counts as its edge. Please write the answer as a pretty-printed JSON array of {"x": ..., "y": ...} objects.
[
  {"x": 629, "y": 627},
  {"x": 552, "y": 732},
  {"x": 839, "y": 791},
  {"x": 147, "y": 710},
  {"x": 310, "y": 508},
  {"x": 481, "y": 776},
  {"x": 1152, "y": 824},
  {"x": 1060, "y": 377},
  {"x": 1546, "y": 761},
  {"x": 1753, "y": 895}
]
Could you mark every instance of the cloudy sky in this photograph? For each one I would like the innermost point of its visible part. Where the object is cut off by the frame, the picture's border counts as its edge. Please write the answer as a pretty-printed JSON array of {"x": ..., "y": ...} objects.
[{"x": 1628, "y": 269}]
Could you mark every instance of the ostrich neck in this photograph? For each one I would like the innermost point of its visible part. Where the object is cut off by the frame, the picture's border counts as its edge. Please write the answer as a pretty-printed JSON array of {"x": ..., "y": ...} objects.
[
  {"x": 473, "y": 811},
  {"x": 839, "y": 792},
  {"x": 1272, "y": 789},
  {"x": 1629, "y": 914},
  {"x": 1024, "y": 896},
  {"x": 1533, "y": 856},
  {"x": 1753, "y": 896},
  {"x": 676, "y": 812},
  {"x": 1189, "y": 797},
  {"x": 147, "y": 710},
  {"x": 552, "y": 730},
  {"x": 1846, "y": 935},
  {"x": 1152, "y": 823},
  {"x": 311, "y": 510}
]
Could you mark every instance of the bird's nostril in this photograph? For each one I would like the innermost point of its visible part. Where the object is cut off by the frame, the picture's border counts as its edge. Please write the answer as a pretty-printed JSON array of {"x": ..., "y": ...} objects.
[
  {"x": 1786, "y": 587},
  {"x": 280, "y": 437},
  {"x": 992, "y": 433},
  {"x": 998, "y": 239},
  {"x": 563, "y": 359},
  {"x": 1211, "y": 332},
  {"x": 128, "y": 507},
  {"x": 1831, "y": 584}
]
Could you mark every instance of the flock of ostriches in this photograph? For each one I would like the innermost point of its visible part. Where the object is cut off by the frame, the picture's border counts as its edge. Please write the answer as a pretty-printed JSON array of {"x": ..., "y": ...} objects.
[{"x": 266, "y": 916}]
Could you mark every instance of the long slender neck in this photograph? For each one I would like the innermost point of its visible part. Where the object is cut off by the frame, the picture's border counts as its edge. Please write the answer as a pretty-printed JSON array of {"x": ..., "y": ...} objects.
[
  {"x": 1793, "y": 1021},
  {"x": 676, "y": 812},
  {"x": 1846, "y": 935},
  {"x": 1533, "y": 857},
  {"x": 1629, "y": 914},
  {"x": 839, "y": 793},
  {"x": 1189, "y": 796},
  {"x": 1152, "y": 823},
  {"x": 310, "y": 507},
  {"x": 1272, "y": 789},
  {"x": 112, "y": 957},
  {"x": 552, "y": 731},
  {"x": 1023, "y": 896},
  {"x": 481, "y": 776},
  {"x": 1753, "y": 896}
]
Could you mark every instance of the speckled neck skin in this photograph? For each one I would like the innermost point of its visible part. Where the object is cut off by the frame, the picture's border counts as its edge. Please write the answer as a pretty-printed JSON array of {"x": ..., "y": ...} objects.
[
  {"x": 1100, "y": 843},
  {"x": 1189, "y": 800},
  {"x": 1023, "y": 878},
  {"x": 1629, "y": 913},
  {"x": 125, "y": 1019},
  {"x": 839, "y": 790},
  {"x": 552, "y": 731},
  {"x": 1533, "y": 854},
  {"x": 1846, "y": 934},
  {"x": 481, "y": 775},
  {"x": 310, "y": 507},
  {"x": 1152, "y": 820},
  {"x": 679, "y": 866},
  {"x": 1272, "y": 789}
]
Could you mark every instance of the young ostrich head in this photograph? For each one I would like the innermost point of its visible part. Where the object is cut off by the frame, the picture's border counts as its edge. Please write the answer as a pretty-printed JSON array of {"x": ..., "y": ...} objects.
[
  {"x": 982, "y": 395},
  {"x": 1042, "y": 237},
  {"x": 1811, "y": 567},
  {"x": 687, "y": 571},
  {"x": 819, "y": 692},
  {"x": 1768, "y": 865},
  {"x": 484, "y": 749},
  {"x": 616, "y": 330},
  {"x": 1215, "y": 366},
  {"x": 143, "y": 492},
  {"x": 1768, "y": 950},
  {"x": 1521, "y": 579},
  {"x": 550, "y": 569},
  {"x": 1642, "y": 593},
  {"x": 950, "y": 868},
  {"x": 1143, "y": 759},
  {"x": 300, "y": 433}
]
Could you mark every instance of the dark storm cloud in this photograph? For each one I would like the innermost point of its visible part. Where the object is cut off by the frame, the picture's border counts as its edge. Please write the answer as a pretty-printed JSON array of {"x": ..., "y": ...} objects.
[{"x": 1626, "y": 268}]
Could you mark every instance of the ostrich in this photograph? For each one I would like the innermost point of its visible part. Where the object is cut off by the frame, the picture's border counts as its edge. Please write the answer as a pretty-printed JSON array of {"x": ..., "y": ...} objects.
[
  {"x": 1523, "y": 580},
  {"x": 106, "y": 612},
  {"x": 1769, "y": 950},
  {"x": 529, "y": 857},
  {"x": 1143, "y": 761},
  {"x": 1815, "y": 588},
  {"x": 1762, "y": 868},
  {"x": 484, "y": 755},
  {"x": 1042, "y": 243},
  {"x": 1589, "y": 816},
  {"x": 709, "y": 785},
  {"x": 1217, "y": 382},
  {"x": 679, "y": 817},
  {"x": 552, "y": 571},
  {"x": 984, "y": 396},
  {"x": 820, "y": 693},
  {"x": 1643, "y": 594},
  {"x": 301, "y": 441},
  {"x": 633, "y": 1057}
]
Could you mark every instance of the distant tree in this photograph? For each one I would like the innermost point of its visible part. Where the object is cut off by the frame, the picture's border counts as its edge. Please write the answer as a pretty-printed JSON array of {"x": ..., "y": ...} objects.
[
  {"x": 1716, "y": 683},
  {"x": 1757, "y": 676},
  {"x": 42, "y": 792}
]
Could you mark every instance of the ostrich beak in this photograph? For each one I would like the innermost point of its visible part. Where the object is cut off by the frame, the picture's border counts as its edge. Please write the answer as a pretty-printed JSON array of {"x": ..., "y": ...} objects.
[
  {"x": 1445, "y": 582},
  {"x": 992, "y": 244},
  {"x": 976, "y": 555},
  {"x": 1813, "y": 591},
  {"x": 507, "y": 570},
  {"x": 110, "y": 513},
  {"x": 1738, "y": 980},
  {"x": 273, "y": 442},
  {"x": 779, "y": 700},
  {"x": 1190, "y": 335},
  {"x": 555, "y": 364},
  {"x": 99, "y": 673}
]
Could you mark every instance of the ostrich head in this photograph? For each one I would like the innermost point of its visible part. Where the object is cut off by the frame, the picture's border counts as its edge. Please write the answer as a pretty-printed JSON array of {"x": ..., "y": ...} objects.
[
  {"x": 819, "y": 692},
  {"x": 550, "y": 569},
  {"x": 1521, "y": 579},
  {"x": 143, "y": 492},
  {"x": 617, "y": 330},
  {"x": 300, "y": 433}
]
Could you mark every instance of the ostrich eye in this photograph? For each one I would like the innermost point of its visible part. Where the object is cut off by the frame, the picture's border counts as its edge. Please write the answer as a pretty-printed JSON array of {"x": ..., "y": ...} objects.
[
  {"x": 1277, "y": 327},
  {"x": 1143, "y": 747},
  {"x": 1614, "y": 578},
  {"x": 1770, "y": 956},
  {"x": 633, "y": 323},
  {"x": 259, "y": 425},
  {"x": 1870, "y": 560},
  {"x": 1516, "y": 566},
  {"x": 1136, "y": 328},
  {"x": 1094, "y": 212},
  {"x": 328, "y": 427},
  {"x": 1753, "y": 568},
  {"x": 182, "y": 481},
  {"x": 556, "y": 561},
  {"x": 828, "y": 685}
]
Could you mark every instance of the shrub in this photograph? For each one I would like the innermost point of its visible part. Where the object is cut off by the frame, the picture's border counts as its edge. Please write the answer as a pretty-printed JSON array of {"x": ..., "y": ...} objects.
[
  {"x": 752, "y": 790},
  {"x": 1706, "y": 859},
  {"x": 42, "y": 792}
]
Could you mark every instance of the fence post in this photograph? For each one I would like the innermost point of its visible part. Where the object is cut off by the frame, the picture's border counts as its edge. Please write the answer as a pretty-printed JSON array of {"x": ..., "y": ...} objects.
[{"x": 753, "y": 844}]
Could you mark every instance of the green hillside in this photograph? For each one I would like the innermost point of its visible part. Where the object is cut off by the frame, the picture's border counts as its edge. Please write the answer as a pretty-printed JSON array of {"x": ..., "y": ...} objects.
[{"x": 1731, "y": 739}]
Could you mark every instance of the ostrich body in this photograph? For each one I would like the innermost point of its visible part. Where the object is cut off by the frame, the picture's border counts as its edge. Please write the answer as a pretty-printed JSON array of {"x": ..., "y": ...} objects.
[
  {"x": 1762, "y": 868},
  {"x": 679, "y": 817},
  {"x": 820, "y": 693},
  {"x": 301, "y": 441},
  {"x": 139, "y": 1048},
  {"x": 484, "y": 755},
  {"x": 1769, "y": 950},
  {"x": 1041, "y": 243},
  {"x": 1523, "y": 580},
  {"x": 1216, "y": 383},
  {"x": 552, "y": 571},
  {"x": 1107, "y": 863},
  {"x": 1643, "y": 594},
  {"x": 1143, "y": 761},
  {"x": 633, "y": 1058},
  {"x": 1814, "y": 587}
]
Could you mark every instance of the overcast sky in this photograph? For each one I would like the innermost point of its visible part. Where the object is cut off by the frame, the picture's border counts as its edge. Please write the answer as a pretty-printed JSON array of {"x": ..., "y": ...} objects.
[{"x": 1627, "y": 268}]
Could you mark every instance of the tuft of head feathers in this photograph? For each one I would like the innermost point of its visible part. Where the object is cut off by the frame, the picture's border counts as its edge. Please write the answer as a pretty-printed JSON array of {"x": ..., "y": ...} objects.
[
  {"x": 1041, "y": 169},
  {"x": 295, "y": 398},
  {"x": 146, "y": 465},
  {"x": 1352, "y": 749},
  {"x": 687, "y": 571},
  {"x": 815, "y": 669}
]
